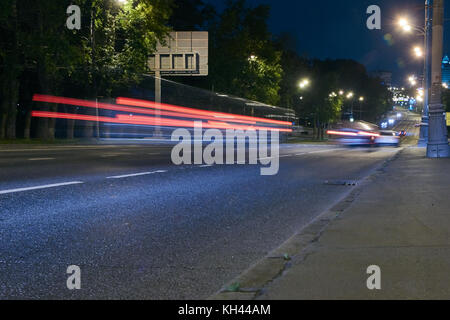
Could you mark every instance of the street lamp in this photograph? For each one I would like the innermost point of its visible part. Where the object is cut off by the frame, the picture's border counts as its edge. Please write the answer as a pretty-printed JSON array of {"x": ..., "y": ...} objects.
[
  {"x": 304, "y": 83},
  {"x": 418, "y": 52},
  {"x": 361, "y": 100},
  {"x": 412, "y": 80},
  {"x": 408, "y": 27},
  {"x": 350, "y": 96},
  {"x": 404, "y": 24}
]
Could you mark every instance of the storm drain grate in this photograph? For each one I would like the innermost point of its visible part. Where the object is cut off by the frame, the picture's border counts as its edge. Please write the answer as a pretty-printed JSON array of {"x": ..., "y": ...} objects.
[{"x": 341, "y": 182}]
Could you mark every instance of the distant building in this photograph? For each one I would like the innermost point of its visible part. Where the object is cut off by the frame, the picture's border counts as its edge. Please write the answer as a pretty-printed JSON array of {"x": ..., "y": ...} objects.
[
  {"x": 446, "y": 70},
  {"x": 385, "y": 76}
]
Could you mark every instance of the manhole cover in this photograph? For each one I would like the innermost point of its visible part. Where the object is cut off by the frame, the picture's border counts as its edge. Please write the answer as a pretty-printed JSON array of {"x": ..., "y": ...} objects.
[{"x": 341, "y": 182}]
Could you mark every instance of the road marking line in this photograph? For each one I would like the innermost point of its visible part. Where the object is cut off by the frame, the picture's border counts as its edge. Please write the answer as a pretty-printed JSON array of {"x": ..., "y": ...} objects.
[
  {"x": 322, "y": 151},
  {"x": 40, "y": 159},
  {"x": 137, "y": 174},
  {"x": 115, "y": 154},
  {"x": 206, "y": 166},
  {"x": 312, "y": 152},
  {"x": 41, "y": 187},
  {"x": 154, "y": 154}
]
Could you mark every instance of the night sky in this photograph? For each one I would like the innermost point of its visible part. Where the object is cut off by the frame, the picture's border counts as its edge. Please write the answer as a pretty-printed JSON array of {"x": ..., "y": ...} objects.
[{"x": 337, "y": 29}]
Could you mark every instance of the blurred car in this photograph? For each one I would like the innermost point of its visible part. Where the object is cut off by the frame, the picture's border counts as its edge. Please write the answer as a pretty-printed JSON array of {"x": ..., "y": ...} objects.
[
  {"x": 387, "y": 138},
  {"x": 358, "y": 133}
]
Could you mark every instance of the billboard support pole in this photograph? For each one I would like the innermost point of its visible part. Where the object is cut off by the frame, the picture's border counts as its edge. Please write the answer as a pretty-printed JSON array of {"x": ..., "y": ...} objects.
[{"x": 157, "y": 131}]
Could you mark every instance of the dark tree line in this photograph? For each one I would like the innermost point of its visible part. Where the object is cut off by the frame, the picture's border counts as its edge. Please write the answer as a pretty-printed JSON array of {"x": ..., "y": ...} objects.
[{"x": 39, "y": 54}]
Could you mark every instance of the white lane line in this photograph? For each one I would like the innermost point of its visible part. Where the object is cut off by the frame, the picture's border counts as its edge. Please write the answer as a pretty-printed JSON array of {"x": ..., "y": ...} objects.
[
  {"x": 322, "y": 151},
  {"x": 285, "y": 155},
  {"x": 206, "y": 166},
  {"x": 116, "y": 154},
  {"x": 137, "y": 174},
  {"x": 40, "y": 159},
  {"x": 312, "y": 152},
  {"x": 40, "y": 187}
]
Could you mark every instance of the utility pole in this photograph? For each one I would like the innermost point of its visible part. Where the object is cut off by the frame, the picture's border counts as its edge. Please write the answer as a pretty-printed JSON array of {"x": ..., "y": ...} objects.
[
  {"x": 423, "y": 137},
  {"x": 437, "y": 139},
  {"x": 157, "y": 131}
]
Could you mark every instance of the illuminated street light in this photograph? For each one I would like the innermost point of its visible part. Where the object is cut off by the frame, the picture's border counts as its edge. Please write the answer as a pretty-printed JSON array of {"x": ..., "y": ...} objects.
[
  {"x": 252, "y": 58},
  {"x": 412, "y": 80},
  {"x": 403, "y": 22},
  {"x": 333, "y": 95},
  {"x": 405, "y": 25},
  {"x": 418, "y": 52},
  {"x": 421, "y": 92},
  {"x": 304, "y": 83},
  {"x": 350, "y": 95},
  {"x": 361, "y": 99}
]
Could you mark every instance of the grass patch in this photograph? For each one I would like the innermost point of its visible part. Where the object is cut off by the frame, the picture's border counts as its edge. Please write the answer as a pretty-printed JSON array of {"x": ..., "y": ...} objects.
[{"x": 235, "y": 287}]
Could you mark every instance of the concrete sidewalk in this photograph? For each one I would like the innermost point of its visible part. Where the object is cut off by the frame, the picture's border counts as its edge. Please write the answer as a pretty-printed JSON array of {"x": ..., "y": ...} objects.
[{"x": 398, "y": 219}]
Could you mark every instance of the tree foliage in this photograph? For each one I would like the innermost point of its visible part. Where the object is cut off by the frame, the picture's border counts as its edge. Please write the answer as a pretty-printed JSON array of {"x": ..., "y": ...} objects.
[
  {"x": 244, "y": 60},
  {"x": 38, "y": 54},
  {"x": 110, "y": 51}
]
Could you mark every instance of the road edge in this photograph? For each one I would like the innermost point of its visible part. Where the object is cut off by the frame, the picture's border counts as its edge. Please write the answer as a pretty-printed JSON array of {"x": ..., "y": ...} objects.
[{"x": 251, "y": 283}]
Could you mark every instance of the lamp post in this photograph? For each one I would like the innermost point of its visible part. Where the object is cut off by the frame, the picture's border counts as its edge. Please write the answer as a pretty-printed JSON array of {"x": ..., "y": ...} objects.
[
  {"x": 361, "y": 100},
  {"x": 437, "y": 140},
  {"x": 423, "y": 135}
]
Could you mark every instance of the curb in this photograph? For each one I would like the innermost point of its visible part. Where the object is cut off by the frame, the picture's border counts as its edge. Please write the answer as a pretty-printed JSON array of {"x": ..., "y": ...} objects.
[{"x": 252, "y": 282}]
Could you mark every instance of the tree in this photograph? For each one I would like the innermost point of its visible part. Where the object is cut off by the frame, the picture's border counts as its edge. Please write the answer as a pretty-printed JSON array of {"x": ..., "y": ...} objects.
[
  {"x": 191, "y": 15},
  {"x": 10, "y": 67},
  {"x": 321, "y": 101},
  {"x": 244, "y": 61},
  {"x": 37, "y": 50},
  {"x": 294, "y": 68}
]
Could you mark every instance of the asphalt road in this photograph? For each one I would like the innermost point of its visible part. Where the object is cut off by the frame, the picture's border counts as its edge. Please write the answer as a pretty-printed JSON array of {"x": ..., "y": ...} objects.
[{"x": 142, "y": 228}]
